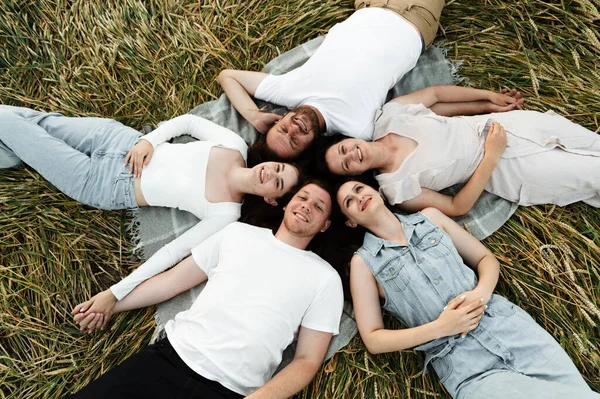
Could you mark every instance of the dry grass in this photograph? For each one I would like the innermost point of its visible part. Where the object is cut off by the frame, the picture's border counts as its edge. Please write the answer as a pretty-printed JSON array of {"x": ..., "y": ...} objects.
[{"x": 146, "y": 61}]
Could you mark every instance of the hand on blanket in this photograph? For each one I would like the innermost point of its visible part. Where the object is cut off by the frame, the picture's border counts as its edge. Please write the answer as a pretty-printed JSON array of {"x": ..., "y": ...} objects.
[
  {"x": 505, "y": 100},
  {"x": 94, "y": 314},
  {"x": 495, "y": 142},
  {"x": 265, "y": 121},
  {"x": 139, "y": 156},
  {"x": 457, "y": 319}
]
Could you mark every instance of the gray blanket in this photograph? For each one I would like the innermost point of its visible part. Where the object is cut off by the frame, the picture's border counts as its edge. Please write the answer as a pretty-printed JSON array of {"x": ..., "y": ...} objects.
[{"x": 158, "y": 226}]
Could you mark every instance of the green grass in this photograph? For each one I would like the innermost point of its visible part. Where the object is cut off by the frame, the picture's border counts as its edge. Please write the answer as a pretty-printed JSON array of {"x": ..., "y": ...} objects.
[{"x": 146, "y": 61}]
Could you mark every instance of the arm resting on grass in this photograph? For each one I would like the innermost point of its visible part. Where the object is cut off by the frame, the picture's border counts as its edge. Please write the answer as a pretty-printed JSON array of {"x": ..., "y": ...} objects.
[
  {"x": 185, "y": 275},
  {"x": 310, "y": 352},
  {"x": 164, "y": 286}
]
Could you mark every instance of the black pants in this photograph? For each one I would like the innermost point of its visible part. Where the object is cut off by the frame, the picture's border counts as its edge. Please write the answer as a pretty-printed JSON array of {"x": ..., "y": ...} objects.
[{"x": 154, "y": 372}]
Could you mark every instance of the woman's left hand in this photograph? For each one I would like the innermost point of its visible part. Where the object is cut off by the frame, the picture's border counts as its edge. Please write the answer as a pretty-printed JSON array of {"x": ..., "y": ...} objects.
[
  {"x": 472, "y": 295},
  {"x": 495, "y": 143},
  {"x": 139, "y": 156}
]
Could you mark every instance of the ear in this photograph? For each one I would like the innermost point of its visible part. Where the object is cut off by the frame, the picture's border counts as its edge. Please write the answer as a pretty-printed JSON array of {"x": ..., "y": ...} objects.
[
  {"x": 271, "y": 201},
  {"x": 326, "y": 226},
  {"x": 350, "y": 224}
]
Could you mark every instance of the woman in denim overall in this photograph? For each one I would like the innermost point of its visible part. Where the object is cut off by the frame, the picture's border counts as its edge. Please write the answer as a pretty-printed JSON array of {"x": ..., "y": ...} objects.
[{"x": 479, "y": 343}]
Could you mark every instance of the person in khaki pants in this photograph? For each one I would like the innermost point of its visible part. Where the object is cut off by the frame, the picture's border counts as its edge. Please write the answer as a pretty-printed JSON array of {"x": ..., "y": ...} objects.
[{"x": 340, "y": 88}]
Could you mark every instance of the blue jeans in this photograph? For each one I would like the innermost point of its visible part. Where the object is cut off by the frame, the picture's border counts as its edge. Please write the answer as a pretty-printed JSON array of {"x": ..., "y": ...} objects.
[{"x": 82, "y": 157}]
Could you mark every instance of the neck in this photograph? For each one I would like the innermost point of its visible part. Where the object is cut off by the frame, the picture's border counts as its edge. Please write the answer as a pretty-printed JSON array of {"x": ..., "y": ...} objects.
[
  {"x": 386, "y": 225},
  {"x": 286, "y": 236},
  {"x": 239, "y": 182},
  {"x": 385, "y": 154}
]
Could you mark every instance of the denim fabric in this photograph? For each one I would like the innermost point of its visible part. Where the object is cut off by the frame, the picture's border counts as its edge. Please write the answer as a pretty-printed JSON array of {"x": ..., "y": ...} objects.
[
  {"x": 82, "y": 157},
  {"x": 508, "y": 345}
]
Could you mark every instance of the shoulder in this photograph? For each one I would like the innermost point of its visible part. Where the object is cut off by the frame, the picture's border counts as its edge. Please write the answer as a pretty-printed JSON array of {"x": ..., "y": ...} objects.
[
  {"x": 435, "y": 215},
  {"x": 357, "y": 261}
]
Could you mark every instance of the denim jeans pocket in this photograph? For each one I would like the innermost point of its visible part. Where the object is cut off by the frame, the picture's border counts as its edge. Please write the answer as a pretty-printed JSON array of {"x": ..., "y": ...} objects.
[
  {"x": 120, "y": 194},
  {"x": 442, "y": 366},
  {"x": 501, "y": 306}
]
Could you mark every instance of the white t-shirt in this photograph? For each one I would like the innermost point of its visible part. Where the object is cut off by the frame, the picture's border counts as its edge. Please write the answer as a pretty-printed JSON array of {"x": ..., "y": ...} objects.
[
  {"x": 259, "y": 292},
  {"x": 348, "y": 77},
  {"x": 176, "y": 178}
]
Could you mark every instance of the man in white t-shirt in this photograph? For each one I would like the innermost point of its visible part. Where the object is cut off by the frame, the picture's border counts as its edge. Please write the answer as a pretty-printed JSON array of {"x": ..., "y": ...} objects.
[
  {"x": 340, "y": 88},
  {"x": 263, "y": 291}
]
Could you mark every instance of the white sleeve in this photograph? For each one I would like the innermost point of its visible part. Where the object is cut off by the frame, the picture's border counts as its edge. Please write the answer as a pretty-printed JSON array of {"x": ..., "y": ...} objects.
[
  {"x": 171, "y": 253},
  {"x": 197, "y": 127},
  {"x": 325, "y": 311},
  {"x": 274, "y": 89}
]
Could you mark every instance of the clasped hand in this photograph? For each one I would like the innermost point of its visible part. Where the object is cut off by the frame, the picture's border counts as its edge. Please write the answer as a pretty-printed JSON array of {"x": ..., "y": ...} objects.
[
  {"x": 460, "y": 316},
  {"x": 94, "y": 314},
  {"x": 505, "y": 100}
]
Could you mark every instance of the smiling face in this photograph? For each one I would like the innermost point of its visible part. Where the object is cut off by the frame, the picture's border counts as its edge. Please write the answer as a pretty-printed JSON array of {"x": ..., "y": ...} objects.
[
  {"x": 293, "y": 133},
  {"x": 349, "y": 157},
  {"x": 359, "y": 202},
  {"x": 273, "y": 179},
  {"x": 308, "y": 211}
]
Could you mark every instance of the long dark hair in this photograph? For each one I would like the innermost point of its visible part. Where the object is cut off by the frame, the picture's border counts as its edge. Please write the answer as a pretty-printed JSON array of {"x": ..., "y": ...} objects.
[{"x": 319, "y": 164}]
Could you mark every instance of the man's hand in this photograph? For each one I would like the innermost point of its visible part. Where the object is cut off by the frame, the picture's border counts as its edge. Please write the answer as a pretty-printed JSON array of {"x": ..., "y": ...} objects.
[
  {"x": 94, "y": 314},
  {"x": 264, "y": 121},
  {"x": 505, "y": 100},
  {"x": 454, "y": 320},
  {"x": 139, "y": 156},
  {"x": 495, "y": 142}
]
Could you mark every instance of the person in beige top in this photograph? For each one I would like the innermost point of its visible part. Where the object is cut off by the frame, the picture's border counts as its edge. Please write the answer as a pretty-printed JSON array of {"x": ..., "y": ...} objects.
[{"x": 527, "y": 157}]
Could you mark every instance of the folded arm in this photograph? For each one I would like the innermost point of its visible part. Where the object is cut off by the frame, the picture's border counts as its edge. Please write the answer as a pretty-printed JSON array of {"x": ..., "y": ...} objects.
[
  {"x": 474, "y": 254},
  {"x": 457, "y": 100},
  {"x": 240, "y": 87},
  {"x": 310, "y": 352},
  {"x": 462, "y": 202},
  {"x": 378, "y": 339}
]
